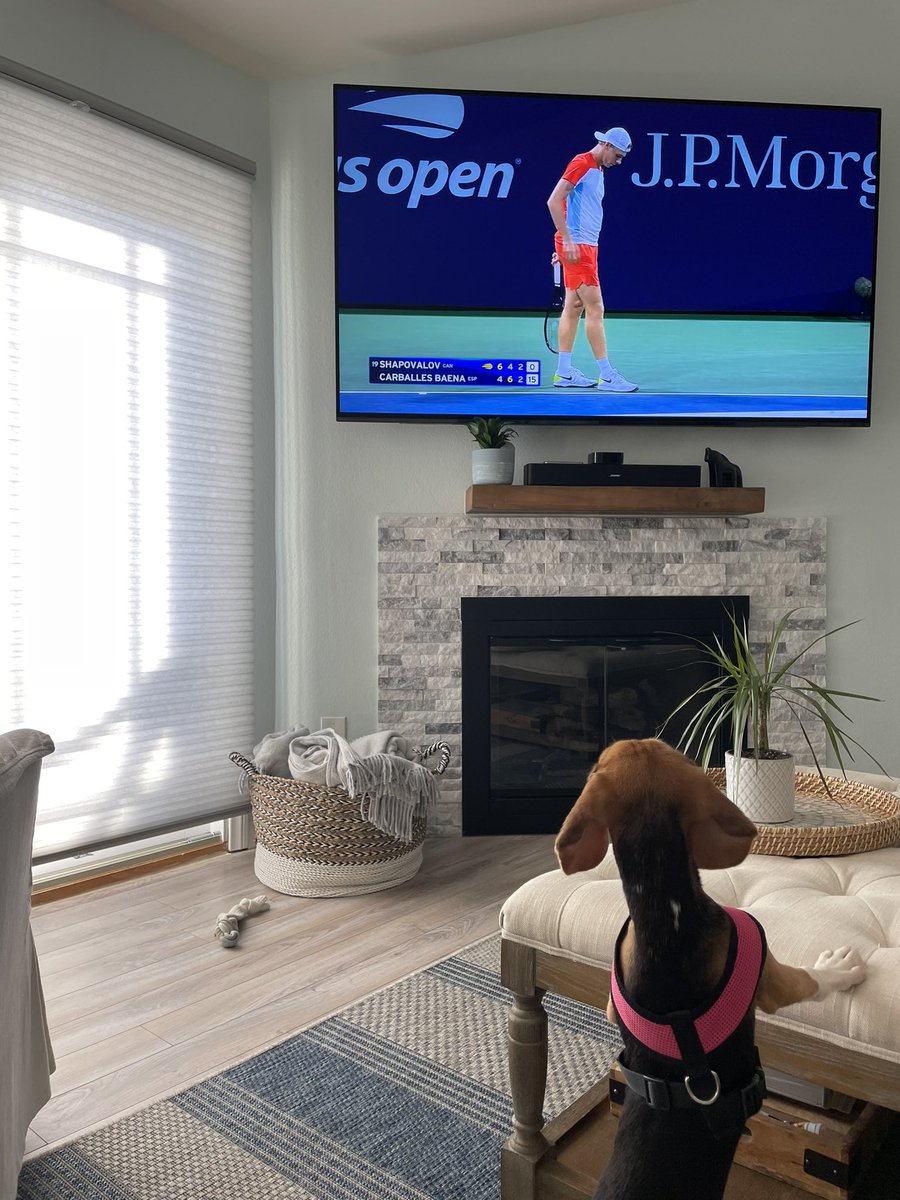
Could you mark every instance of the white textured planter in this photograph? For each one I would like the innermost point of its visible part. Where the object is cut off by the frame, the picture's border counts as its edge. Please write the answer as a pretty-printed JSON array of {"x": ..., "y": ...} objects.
[
  {"x": 765, "y": 788},
  {"x": 494, "y": 466}
]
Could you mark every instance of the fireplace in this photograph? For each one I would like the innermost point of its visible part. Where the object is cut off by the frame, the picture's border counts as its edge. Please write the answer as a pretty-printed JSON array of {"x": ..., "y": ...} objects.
[
  {"x": 547, "y": 682},
  {"x": 428, "y": 563}
]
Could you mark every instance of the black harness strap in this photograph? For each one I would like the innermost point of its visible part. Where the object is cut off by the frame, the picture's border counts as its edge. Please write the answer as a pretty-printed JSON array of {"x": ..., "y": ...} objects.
[{"x": 727, "y": 1114}]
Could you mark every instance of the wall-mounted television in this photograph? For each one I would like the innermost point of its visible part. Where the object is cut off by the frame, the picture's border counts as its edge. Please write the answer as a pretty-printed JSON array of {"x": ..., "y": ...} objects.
[{"x": 735, "y": 260}]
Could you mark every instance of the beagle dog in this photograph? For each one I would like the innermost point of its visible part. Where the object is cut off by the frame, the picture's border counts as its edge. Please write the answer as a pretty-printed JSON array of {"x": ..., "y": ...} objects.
[{"x": 687, "y": 973}]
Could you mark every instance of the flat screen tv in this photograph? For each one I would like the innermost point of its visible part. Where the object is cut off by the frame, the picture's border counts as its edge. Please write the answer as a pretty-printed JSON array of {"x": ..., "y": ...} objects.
[{"x": 736, "y": 258}]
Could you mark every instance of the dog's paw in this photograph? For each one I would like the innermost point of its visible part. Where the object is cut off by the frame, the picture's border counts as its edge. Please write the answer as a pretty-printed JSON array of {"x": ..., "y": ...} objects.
[{"x": 837, "y": 970}]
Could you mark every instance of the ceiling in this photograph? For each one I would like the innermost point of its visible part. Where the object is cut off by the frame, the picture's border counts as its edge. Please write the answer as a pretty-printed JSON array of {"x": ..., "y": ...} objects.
[{"x": 280, "y": 39}]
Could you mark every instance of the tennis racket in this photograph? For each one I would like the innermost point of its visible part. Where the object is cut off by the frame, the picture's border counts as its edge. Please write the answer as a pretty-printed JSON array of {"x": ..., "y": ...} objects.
[{"x": 551, "y": 318}]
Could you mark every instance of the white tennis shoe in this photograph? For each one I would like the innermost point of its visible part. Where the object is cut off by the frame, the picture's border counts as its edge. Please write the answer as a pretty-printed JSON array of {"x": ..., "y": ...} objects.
[
  {"x": 616, "y": 383},
  {"x": 575, "y": 379}
]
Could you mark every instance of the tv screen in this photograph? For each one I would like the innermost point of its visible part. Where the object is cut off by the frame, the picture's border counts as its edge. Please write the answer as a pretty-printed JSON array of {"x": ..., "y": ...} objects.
[{"x": 698, "y": 262}]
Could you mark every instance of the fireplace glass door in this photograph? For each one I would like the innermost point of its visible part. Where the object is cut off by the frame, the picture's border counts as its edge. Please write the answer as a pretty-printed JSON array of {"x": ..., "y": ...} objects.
[
  {"x": 556, "y": 703},
  {"x": 548, "y": 682}
]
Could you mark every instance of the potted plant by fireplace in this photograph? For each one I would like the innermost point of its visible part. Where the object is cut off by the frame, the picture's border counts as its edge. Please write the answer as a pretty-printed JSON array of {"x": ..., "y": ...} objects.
[
  {"x": 494, "y": 459},
  {"x": 760, "y": 779}
]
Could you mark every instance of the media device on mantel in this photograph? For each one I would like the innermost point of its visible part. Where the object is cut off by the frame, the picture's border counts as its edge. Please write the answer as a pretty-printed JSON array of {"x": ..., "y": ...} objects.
[{"x": 594, "y": 474}]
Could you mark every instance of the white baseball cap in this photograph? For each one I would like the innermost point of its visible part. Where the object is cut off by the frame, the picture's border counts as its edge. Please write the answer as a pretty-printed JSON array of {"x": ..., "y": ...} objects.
[{"x": 618, "y": 137}]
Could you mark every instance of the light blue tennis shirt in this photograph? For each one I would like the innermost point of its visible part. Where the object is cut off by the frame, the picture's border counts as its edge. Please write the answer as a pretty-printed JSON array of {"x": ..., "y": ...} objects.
[{"x": 584, "y": 204}]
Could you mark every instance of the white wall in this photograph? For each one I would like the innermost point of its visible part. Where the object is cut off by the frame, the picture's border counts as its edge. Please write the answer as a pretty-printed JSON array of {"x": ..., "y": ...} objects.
[
  {"x": 99, "y": 49},
  {"x": 337, "y": 478}
]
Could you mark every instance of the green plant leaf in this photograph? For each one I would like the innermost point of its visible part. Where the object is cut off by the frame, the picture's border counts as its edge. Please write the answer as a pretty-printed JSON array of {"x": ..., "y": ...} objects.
[
  {"x": 748, "y": 685},
  {"x": 491, "y": 432}
]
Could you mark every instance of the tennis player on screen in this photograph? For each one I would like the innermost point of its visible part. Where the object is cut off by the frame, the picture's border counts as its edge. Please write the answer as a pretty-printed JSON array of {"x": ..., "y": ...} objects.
[{"x": 576, "y": 206}]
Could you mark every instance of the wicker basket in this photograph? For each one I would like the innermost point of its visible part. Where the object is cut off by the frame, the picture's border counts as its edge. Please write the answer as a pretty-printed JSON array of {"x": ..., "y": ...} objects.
[{"x": 312, "y": 840}]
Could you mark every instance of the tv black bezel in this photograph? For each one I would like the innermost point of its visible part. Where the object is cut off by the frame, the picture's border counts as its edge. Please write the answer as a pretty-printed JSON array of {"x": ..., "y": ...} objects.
[{"x": 586, "y": 420}]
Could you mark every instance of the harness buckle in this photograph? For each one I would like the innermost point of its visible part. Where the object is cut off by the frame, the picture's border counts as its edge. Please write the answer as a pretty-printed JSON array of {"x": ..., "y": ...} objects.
[
  {"x": 656, "y": 1093},
  {"x": 754, "y": 1093},
  {"x": 699, "y": 1099}
]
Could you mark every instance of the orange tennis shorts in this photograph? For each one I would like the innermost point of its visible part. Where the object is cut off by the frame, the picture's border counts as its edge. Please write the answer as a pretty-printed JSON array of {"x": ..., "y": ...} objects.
[{"x": 583, "y": 271}]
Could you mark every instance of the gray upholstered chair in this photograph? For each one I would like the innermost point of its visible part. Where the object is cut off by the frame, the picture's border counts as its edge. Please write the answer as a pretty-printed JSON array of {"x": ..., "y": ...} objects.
[{"x": 26, "y": 1057}]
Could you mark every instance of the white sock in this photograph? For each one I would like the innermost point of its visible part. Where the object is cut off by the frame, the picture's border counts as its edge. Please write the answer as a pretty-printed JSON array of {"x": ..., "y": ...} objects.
[
  {"x": 604, "y": 366},
  {"x": 564, "y": 366}
]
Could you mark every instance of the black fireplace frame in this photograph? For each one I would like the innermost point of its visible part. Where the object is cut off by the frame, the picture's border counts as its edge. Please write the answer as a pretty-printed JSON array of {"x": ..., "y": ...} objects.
[{"x": 614, "y": 619}]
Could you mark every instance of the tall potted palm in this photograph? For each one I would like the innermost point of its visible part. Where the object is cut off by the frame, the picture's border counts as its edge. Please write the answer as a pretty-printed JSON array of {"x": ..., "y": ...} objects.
[
  {"x": 739, "y": 703},
  {"x": 494, "y": 458}
]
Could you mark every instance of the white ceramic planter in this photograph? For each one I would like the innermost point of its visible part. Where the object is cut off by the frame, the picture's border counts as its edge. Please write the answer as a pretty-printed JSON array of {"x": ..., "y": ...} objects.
[
  {"x": 494, "y": 466},
  {"x": 765, "y": 788}
]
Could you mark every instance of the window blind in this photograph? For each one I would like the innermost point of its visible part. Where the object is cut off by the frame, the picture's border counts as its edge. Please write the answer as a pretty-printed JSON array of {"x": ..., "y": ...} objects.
[{"x": 126, "y": 545}]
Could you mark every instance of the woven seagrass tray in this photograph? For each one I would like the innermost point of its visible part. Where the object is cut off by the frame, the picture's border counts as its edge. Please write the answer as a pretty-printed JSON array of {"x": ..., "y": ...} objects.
[{"x": 856, "y": 817}]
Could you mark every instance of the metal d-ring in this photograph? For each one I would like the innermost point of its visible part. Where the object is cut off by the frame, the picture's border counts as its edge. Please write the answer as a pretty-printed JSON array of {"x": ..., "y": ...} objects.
[{"x": 696, "y": 1099}]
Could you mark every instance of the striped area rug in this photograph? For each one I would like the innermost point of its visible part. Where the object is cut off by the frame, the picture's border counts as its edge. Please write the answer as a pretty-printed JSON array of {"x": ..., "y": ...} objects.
[{"x": 403, "y": 1096}]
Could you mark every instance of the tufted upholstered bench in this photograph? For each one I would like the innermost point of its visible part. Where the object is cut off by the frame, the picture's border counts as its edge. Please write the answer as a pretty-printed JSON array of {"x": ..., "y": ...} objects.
[{"x": 558, "y": 935}]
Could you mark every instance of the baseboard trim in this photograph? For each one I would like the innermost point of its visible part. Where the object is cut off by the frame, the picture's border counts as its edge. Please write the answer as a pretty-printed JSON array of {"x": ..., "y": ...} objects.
[{"x": 155, "y": 860}]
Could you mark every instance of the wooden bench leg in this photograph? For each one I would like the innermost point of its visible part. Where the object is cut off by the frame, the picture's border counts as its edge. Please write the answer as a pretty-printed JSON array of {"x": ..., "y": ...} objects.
[{"x": 527, "y": 1047}]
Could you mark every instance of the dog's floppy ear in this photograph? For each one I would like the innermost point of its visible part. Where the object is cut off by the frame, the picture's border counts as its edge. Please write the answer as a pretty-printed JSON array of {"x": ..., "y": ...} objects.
[
  {"x": 718, "y": 833},
  {"x": 583, "y": 841}
]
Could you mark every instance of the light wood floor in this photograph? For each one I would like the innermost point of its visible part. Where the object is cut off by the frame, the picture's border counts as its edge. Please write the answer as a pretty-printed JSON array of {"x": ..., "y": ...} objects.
[{"x": 142, "y": 1000}]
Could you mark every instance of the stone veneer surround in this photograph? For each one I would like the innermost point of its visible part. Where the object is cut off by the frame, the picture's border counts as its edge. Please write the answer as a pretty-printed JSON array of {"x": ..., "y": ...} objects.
[{"x": 427, "y": 563}]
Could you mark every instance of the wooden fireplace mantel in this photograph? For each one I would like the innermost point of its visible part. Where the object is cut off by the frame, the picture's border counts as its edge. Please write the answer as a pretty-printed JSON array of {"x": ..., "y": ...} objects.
[{"x": 532, "y": 500}]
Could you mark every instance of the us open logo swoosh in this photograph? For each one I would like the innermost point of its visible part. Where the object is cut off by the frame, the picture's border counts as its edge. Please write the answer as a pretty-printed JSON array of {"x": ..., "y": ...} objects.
[{"x": 435, "y": 116}]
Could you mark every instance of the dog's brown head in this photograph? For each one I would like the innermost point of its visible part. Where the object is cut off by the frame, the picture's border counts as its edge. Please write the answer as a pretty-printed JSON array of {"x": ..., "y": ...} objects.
[{"x": 717, "y": 833}]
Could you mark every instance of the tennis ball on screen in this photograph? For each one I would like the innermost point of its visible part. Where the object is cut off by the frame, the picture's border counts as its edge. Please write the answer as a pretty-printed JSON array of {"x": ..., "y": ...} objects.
[{"x": 863, "y": 287}]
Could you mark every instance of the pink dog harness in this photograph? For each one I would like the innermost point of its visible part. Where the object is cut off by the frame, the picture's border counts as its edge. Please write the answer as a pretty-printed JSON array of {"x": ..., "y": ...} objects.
[
  {"x": 726, "y": 1011},
  {"x": 689, "y": 1037}
]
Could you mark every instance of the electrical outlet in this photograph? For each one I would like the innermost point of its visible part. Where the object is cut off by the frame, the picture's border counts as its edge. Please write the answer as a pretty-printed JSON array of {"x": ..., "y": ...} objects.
[{"x": 338, "y": 724}]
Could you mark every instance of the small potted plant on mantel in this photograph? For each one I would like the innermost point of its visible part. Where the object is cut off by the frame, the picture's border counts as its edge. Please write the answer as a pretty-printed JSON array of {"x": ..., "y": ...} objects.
[
  {"x": 741, "y": 700},
  {"x": 494, "y": 459}
]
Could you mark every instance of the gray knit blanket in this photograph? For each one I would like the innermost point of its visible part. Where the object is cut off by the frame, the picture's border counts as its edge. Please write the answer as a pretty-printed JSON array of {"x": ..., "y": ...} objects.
[{"x": 379, "y": 769}]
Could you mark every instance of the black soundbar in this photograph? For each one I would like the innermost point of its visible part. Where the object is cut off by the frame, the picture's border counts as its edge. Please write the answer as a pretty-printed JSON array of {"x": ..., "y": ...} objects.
[{"x": 549, "y": 474}]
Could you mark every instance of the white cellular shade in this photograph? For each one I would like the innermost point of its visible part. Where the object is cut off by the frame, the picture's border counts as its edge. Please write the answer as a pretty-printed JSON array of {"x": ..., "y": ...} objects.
[{"x": 126, "y": 549}]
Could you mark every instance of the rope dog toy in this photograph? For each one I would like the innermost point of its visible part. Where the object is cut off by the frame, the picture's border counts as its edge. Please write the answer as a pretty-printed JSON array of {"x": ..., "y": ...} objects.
[{"x": 227, "y": 923}]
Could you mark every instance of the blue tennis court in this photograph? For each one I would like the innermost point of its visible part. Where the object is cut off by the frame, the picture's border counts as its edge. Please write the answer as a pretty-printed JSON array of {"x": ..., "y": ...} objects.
[{"x": 703, "y": 367}]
